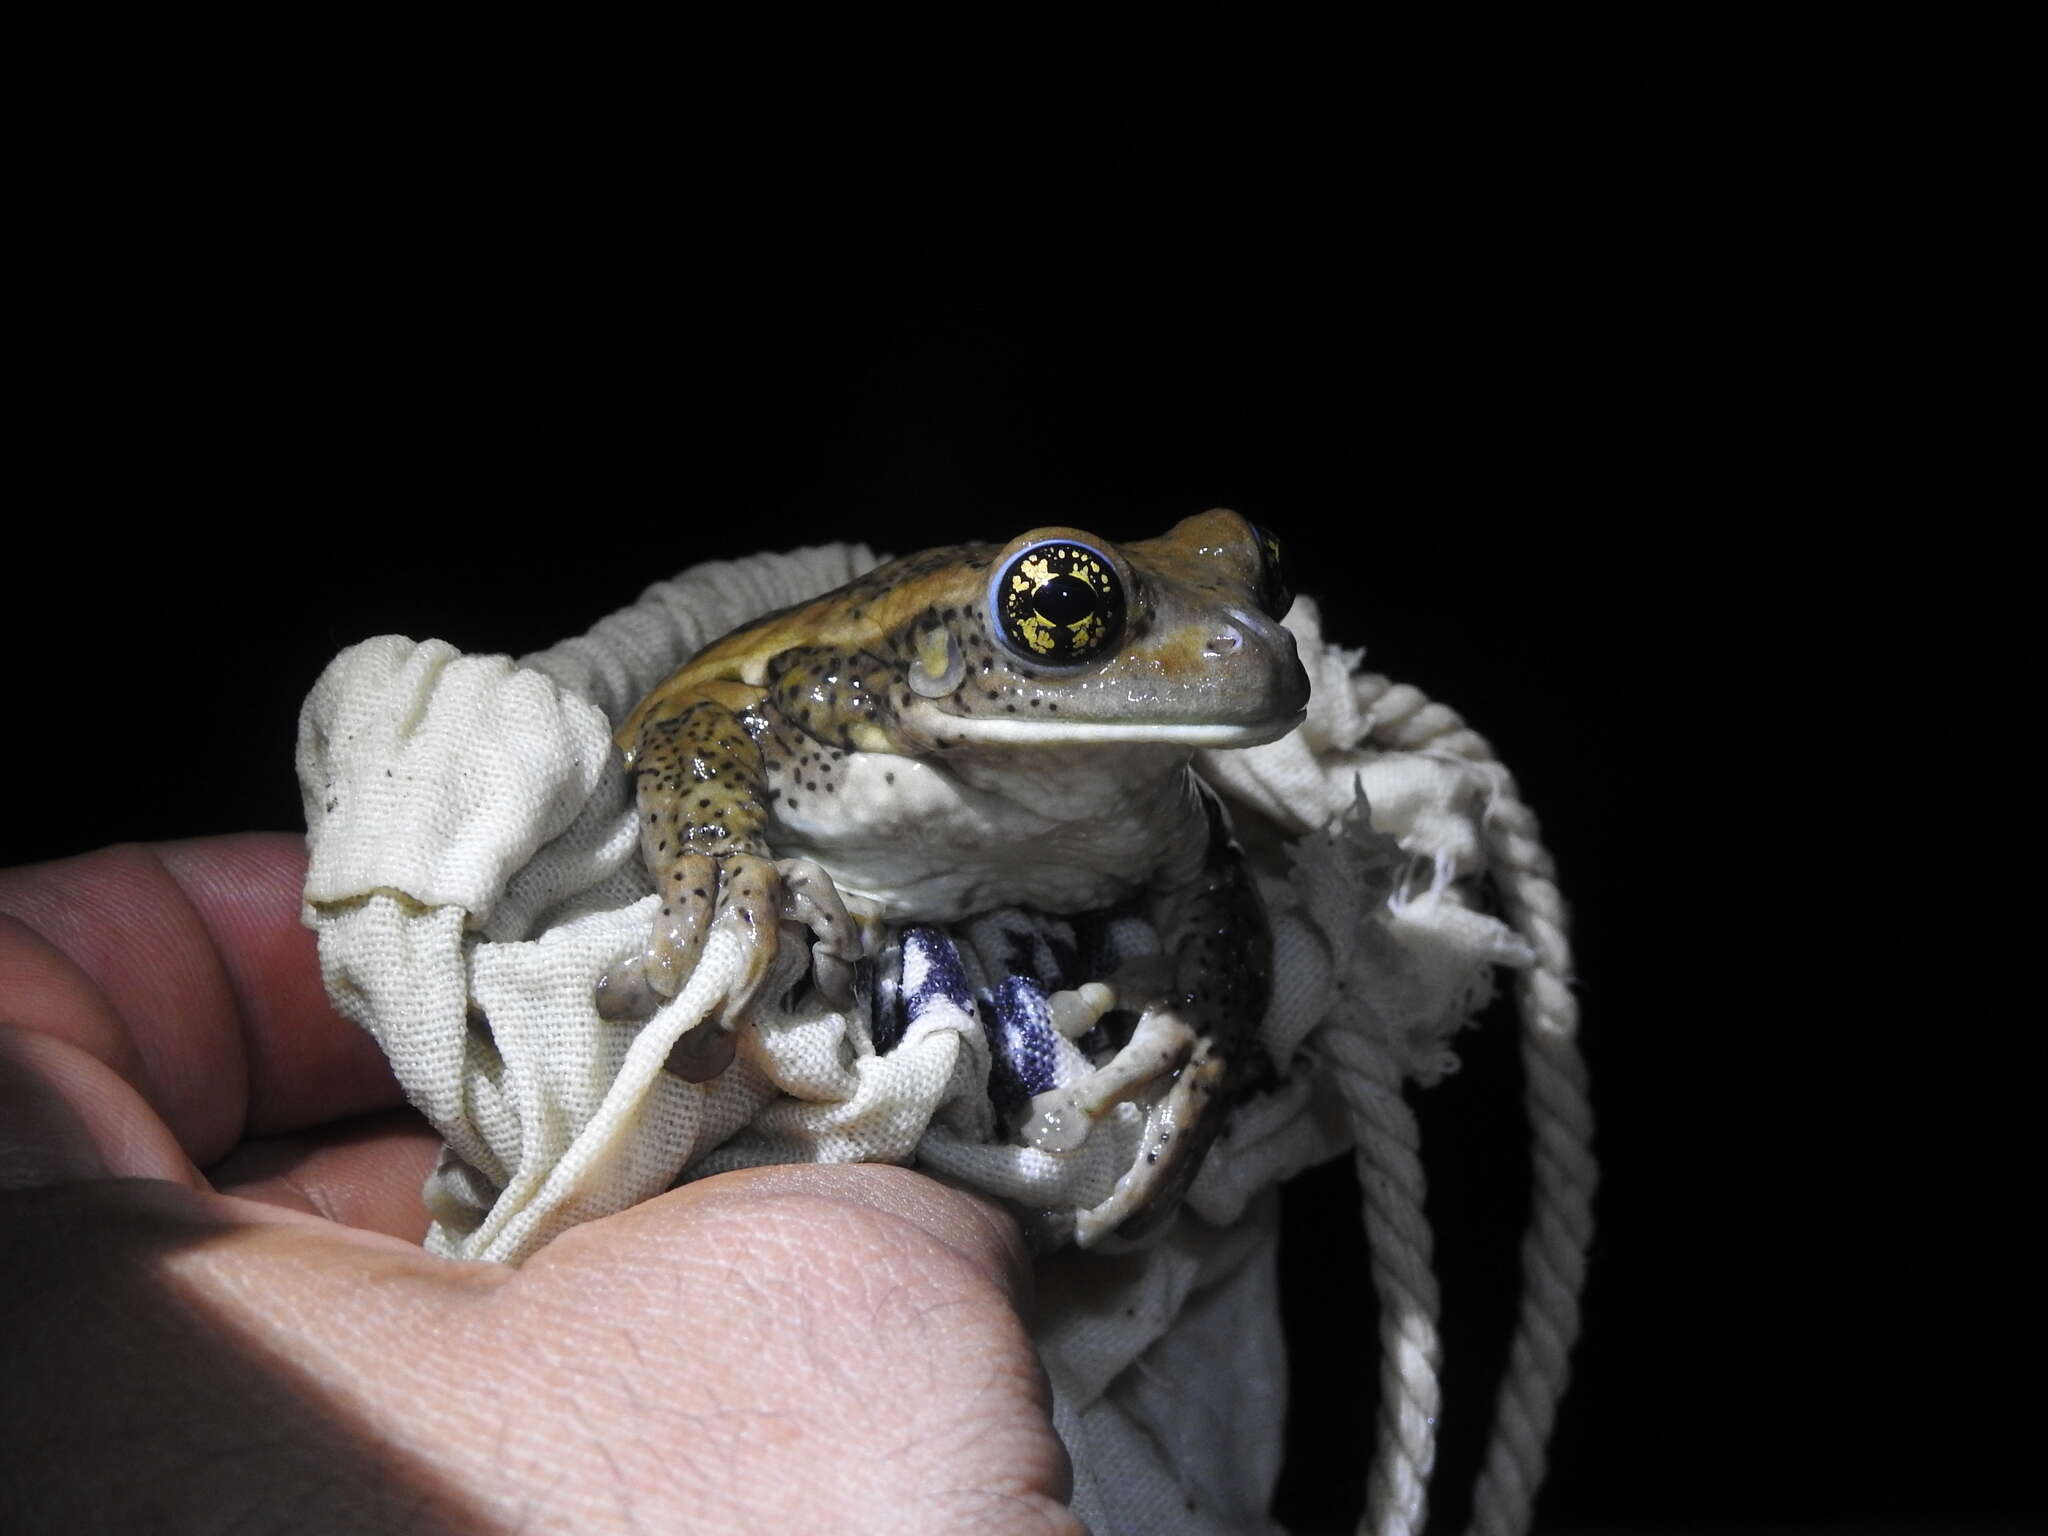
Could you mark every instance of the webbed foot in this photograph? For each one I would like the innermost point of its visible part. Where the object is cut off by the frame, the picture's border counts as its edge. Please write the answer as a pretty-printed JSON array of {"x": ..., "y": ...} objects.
[
  {"x": 701, "y": 891},
  {"x": 1175, "y": 1076},
  {"x": 810, "y": 898}
]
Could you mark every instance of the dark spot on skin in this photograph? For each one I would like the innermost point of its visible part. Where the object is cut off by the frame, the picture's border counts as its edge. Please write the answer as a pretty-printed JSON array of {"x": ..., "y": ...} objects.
[{"x": 889, "y": 778}]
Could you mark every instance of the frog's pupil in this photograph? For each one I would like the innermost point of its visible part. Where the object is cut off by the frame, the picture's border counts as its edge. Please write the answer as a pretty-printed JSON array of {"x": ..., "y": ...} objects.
[{"x": 1064, "y": 600}]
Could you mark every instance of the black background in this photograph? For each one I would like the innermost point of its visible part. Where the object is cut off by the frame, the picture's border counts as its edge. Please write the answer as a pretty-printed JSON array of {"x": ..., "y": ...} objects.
[{"x": 1580, "y": 361}]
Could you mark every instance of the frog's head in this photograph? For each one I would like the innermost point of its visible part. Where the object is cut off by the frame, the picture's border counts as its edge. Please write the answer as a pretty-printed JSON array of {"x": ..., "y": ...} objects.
[{"x": 1072, "y": 640}]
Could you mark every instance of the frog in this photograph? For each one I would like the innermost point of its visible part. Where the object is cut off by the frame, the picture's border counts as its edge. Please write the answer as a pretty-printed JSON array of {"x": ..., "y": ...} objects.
[{"x": 976, "y": 727}]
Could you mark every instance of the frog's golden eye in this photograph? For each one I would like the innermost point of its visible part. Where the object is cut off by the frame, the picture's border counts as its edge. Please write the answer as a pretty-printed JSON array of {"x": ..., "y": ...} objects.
[
  {"x": 1058, "y": 604},
  {"x": 1276, "y": 595}
]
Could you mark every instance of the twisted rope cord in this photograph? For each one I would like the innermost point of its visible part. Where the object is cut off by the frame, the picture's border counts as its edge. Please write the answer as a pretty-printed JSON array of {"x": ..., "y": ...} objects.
[
  {"x": 1560, "y": 1115},
  {"x": 1397, "y": 1231}
]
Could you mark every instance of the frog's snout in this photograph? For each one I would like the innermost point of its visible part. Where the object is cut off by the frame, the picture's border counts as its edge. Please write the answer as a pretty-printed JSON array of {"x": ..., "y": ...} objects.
[
  {"x": 1246, "y": 638},
  {"x": 1295, "y": 699}
]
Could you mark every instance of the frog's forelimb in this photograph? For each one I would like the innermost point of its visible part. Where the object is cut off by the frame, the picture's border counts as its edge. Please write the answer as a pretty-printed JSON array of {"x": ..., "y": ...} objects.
[{"x": 701, "y": 794}]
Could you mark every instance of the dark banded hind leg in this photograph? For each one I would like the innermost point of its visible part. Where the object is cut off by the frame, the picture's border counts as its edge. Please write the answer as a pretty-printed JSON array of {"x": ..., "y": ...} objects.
[{"x": 1194, "y": 1050}]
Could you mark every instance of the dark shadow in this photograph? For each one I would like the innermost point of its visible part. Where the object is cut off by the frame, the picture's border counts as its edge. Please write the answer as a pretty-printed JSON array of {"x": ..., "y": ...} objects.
[{"x": 125, "y": 1407}]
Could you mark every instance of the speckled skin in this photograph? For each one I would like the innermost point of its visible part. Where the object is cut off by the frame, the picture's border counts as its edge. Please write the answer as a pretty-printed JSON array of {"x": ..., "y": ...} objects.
[{"x": 897, "y": 741}]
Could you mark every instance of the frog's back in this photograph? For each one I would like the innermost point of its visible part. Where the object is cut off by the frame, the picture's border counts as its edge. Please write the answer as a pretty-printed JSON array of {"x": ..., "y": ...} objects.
[{"x": 861, "y": 616}]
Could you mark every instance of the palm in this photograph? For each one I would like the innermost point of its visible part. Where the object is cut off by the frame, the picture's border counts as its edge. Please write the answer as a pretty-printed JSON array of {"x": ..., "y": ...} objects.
[{"x": 803, "y": 1348}]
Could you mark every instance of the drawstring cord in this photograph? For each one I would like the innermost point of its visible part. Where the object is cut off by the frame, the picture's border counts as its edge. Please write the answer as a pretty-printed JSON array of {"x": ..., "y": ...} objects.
[{"x": 1390, "y": 1171}]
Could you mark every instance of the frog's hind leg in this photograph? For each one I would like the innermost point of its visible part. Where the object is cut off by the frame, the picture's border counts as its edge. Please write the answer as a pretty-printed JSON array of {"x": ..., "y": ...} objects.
[
  {"x": 1061, "y": 1118},
  {"x": 1194, "y": 1050},
  {"x": 1181, "y": 1123},
  {"x": 1172, "y": 1073}
]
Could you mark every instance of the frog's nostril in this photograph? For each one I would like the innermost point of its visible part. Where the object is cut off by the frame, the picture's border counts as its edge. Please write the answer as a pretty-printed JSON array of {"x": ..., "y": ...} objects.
[{"x": 1227, "y": 641}]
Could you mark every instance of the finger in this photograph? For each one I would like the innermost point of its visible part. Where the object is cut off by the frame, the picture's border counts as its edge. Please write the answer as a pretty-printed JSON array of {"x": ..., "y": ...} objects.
[
  {"x": 43, "y": 989},
  {"x": 364, "y": 1173},
  {"x": 184, "y": 968},
  {"x": 307, "y": 1064},
  {"x": 67, "y": 1116}
]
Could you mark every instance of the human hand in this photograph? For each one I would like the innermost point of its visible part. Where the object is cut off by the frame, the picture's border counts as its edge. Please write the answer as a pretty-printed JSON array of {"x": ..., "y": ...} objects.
[{"x": 216, "y": 1313}]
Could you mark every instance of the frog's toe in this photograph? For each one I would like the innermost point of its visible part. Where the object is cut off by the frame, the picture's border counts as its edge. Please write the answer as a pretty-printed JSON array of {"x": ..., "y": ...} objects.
[
  {"x": 635, "y": 988},
  {"x": 624, "y": 993},
  {"x": 1173, "y": 1074},
  {"x": 748, "y": 897},
  {"x": 700, "y": 1054},
  {"x": 688, "y": 899},
  {"x": 1061, "y": 1118},
  {"x": 1181, "y": 1120},
  {"x": 809, "y": 897}
]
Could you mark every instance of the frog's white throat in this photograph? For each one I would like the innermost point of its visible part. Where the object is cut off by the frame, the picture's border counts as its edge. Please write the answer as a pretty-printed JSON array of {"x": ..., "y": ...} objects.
[
  {"x": 941, "y": 835},
  {"x": 1082, "y": 773}
]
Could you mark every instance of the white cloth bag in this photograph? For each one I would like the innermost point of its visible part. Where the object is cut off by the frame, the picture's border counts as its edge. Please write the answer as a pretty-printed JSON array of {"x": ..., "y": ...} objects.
[{"x": 475, "y": 867}]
